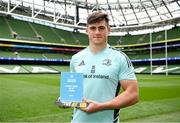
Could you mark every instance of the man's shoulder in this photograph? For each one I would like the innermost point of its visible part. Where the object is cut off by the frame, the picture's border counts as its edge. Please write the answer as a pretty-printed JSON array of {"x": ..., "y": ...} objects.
[
  {"x": 117, "y": 51},
  {"x": 80, "y": 53}
]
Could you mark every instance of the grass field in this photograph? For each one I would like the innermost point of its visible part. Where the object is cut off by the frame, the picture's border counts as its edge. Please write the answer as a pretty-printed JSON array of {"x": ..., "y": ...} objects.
[{"x": 31, "y": 97}]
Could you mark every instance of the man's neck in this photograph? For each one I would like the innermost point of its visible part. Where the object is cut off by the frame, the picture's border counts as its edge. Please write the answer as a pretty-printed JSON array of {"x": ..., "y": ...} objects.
[{"x": 97, "y": 48}]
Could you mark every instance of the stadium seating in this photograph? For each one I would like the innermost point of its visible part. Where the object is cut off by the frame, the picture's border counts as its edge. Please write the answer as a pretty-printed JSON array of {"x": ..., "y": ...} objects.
[
  {"x": 7, "y": 54},
  {"x": 22, "y": 54},
  {"x": 146, "y": 55},
  {"x": 10, "y": 26},
  {"x": 4, "y": 31}
]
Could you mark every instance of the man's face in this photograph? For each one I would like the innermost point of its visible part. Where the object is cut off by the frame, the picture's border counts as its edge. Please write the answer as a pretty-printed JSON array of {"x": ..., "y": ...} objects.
[{"x": 98, "y": 32}]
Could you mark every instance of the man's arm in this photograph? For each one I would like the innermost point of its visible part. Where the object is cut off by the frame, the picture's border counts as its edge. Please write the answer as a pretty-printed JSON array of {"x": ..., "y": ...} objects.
[{"x": 128, "y": 97}]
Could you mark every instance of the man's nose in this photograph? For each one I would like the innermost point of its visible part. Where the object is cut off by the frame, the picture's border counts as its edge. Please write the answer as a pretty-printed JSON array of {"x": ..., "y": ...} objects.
[{"x": 97, "y": 31}]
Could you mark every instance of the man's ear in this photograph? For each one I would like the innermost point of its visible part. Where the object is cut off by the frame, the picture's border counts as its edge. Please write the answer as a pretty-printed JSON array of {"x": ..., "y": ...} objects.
[
  {"x": 86, "y": 30},
  {"x": 109, "y": 29}
]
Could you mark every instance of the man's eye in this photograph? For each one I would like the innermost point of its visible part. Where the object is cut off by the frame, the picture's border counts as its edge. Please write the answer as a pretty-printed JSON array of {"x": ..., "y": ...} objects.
[
  {"x": 101, "y": 28},
  {"x": 93, "y": 28}
]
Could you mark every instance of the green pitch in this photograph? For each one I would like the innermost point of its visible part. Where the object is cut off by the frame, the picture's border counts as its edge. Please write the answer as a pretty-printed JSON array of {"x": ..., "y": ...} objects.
[{"x": 31, "y": 97}]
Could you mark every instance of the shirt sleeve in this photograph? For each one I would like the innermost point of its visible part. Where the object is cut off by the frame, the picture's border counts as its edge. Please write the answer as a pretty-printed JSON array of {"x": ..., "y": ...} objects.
[
  {"x": 72, "y": 65},
  {"x": 126, "y": 71}
]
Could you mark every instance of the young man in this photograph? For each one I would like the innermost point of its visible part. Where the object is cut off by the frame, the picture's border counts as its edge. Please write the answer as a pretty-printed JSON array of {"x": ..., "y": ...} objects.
[{"x": 105, "y": 70}]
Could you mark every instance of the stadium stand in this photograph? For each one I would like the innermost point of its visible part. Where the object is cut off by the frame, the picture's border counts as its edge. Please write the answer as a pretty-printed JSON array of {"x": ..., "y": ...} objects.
[
  {"x": 53, "y": 35},
  {"x": 21, "y": 39}
]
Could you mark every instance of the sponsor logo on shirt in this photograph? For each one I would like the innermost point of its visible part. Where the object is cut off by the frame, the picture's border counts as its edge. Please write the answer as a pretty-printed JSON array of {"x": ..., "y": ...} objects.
[
  {"x": 82, "y": 63},
  {"x": 107, "y": 62},
  {"x": 94, "y": 76},
  {"x": 93, "y": 69}
]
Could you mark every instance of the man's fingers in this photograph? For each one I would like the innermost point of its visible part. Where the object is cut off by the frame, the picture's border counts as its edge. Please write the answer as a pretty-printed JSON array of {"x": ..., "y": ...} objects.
[{"x": 89, "y": 101}]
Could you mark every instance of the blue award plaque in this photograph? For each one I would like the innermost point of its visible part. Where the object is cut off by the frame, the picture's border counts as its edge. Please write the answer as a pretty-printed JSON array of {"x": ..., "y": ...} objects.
[{"x": 71, "y": 87}]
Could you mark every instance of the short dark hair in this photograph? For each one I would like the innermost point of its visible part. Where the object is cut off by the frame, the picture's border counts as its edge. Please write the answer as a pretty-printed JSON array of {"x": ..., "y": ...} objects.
[{"x": 97, "y": 16}]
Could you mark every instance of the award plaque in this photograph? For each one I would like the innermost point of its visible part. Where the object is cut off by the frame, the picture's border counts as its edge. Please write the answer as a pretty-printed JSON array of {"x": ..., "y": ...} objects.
[{"x": 71, "y": 90}]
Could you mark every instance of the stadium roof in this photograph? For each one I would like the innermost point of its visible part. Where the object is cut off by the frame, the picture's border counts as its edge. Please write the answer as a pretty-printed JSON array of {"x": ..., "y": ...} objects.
[{"x": 125, "y": 15}]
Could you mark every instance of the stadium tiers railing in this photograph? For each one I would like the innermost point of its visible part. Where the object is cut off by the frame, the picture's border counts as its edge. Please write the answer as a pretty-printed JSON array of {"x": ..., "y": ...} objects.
[
  {"x": 75, "y": 50},
  {"x": 10, "y": 60},
  {"x": 34, "y": 59},
  {"x": 39, "y": 43},
  {"x": 68, "y": 60},
  {"x": 156, "y": 59},
  {"x": 79, "y": 46}
]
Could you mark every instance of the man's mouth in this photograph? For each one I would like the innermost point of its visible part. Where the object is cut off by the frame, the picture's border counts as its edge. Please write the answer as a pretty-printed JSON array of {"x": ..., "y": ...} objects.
[{"x": 97, "y": 37}]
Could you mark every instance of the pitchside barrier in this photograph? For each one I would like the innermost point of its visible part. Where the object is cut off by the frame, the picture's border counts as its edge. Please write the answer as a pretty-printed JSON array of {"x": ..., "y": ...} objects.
[{"x": 33, "y": 69}]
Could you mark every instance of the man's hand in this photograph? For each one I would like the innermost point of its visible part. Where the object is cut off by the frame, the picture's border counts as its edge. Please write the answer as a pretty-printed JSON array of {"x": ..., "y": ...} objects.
[{"x": 92, "y": 106}]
